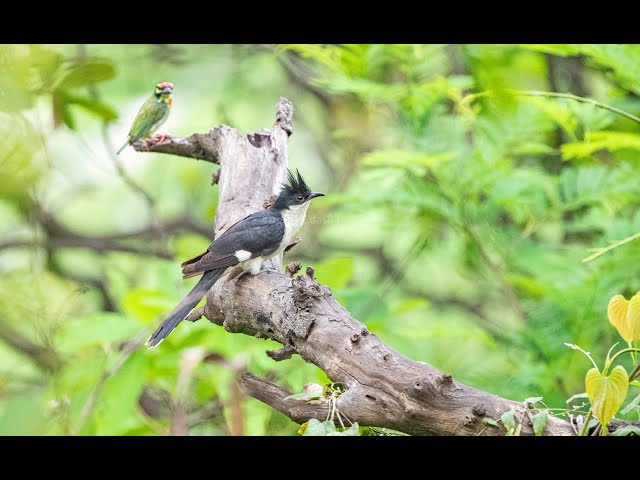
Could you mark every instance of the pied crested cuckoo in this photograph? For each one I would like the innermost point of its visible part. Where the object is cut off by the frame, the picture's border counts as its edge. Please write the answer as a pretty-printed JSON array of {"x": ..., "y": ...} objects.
[{"x": 243, "y": 247}]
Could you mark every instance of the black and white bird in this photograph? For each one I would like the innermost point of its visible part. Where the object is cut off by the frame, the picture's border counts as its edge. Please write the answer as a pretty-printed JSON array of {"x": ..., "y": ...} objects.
[{"x": 243, "y": 248}]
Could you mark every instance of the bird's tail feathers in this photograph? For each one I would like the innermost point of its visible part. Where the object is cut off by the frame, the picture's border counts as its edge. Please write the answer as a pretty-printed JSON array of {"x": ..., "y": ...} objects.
[
  {"x": 185, "y": 307},
  {"x": 126, "y": 144}
]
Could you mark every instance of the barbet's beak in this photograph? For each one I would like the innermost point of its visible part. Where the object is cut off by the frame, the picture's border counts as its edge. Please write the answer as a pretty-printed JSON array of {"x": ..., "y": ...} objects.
[
  {"x": 316, "y": 194},
  {"x": 167, "y": 90}
]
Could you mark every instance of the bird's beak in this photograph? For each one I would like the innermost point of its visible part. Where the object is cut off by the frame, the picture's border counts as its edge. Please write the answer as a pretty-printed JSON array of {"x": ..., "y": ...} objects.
[
  {"x": 316, "y": 194},
  {"x": 167, "y": 90}
]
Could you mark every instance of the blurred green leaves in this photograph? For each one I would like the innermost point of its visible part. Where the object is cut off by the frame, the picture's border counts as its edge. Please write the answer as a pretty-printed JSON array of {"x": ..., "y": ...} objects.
[
  {"x": 334, "y": 272},
  {"x": 95, "y": 329},
  {"x": 27, "y": 71},
  {"x": 622, "y": 59},
  {"x": 455, "y": 217},
  {"x": 540, "y": 420},
  {"x": 509, "y": 422},
  {"x": 118, "y": 409},
  {"x": 146, "y": 304},
  {"x": 63, "y": 101},
  {"x": 32, "y": 71},
  {"x": 21, "y": 143},
  {"x": 85, "y": 73},
  {"x": 518, "y": 187},
  {"x": 316, "y": 428},
  {"x": 418, "y": 162},
  {"x": 597, "y": 141}
]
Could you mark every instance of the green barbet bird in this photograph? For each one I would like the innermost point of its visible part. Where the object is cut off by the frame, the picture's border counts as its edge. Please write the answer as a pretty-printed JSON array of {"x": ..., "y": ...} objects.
[{"x": 153, "y": 113}]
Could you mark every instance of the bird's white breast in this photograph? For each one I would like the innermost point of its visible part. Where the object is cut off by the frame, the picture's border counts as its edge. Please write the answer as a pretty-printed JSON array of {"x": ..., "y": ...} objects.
[{"x": 293, "y": 220}]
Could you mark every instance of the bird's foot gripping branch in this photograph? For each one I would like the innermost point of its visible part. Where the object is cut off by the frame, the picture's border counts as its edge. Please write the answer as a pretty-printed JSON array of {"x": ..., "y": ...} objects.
[{"x": 373, "y": 384}]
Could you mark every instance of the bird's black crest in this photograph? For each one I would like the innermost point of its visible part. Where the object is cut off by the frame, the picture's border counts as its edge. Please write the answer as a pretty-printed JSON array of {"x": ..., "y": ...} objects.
[{"x": 296, "y": 184}]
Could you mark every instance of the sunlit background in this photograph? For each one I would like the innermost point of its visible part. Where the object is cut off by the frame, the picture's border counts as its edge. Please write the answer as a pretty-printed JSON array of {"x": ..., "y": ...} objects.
[{"x": 457, "y": 215}]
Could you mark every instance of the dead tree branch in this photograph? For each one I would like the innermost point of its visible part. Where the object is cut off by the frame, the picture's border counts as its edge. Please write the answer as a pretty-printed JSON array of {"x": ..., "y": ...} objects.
[
  {"x": 59, "y": 236},
  {"x": 383, "y": 388},
  {"x": 201, "y": 146},
  {"x": 42, "y": 355}
]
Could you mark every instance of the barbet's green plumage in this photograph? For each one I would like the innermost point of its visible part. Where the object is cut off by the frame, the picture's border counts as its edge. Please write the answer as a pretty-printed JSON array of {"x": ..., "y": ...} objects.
[{"x": 153, "y": 113}]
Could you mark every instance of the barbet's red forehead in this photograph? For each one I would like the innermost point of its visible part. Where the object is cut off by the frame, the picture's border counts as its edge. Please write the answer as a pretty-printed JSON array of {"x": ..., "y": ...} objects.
[{"x": 165, "y": 85}]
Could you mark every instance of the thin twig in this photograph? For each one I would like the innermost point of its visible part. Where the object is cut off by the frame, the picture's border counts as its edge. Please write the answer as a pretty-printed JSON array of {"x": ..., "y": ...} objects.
[
  {"x": 131, "y": 183},
  {"x": 567, "y": 96},
  {"x": 99, "y": 284},
  {"x": 602, "y": 251},
  {"x": 570, "y": 96},
  {"x": 178, "y": 224},
  {"x": 59, "y": 236},
  {"x": 189, "y": 360},
  {"x": 236, "y": 415}
]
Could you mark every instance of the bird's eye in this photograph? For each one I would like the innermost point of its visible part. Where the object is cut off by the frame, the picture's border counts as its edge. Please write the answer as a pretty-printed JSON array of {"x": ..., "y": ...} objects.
[{"x": 300, "y": 198}]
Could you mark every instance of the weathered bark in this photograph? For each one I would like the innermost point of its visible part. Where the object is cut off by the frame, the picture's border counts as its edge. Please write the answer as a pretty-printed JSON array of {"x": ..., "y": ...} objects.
[
  {"x": 201, "y": 146},
  {"x": 382, "y": 387}
]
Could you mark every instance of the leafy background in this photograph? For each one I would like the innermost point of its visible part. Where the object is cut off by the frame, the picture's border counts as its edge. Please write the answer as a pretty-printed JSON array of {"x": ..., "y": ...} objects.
[{"x": 454, "y": 227}]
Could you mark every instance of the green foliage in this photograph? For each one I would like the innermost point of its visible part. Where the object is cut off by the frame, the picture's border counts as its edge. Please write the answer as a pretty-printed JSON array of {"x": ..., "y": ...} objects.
[
  {"x": 19, "y": 172},
  {"x": 628, "y": 430},
  {"x": 454, "y": 217},
  {"x": 623, "y": 60},
  {"x": 33, "y": 71},
  {"x": 315, "y": 428},
  {"x": 334, "y": 272},
  {"x": 490, "y": 421},
  {"x": 404, "y": 159},
  {"x": 607, "y": 392},
  {"x": 517, "y": 217},
  {"x": 632, "y": 404},
  {"x": 116, "y": 414},
  {"x": 146, "y": 304},
  {"x": 509, "y": 422},
  {"x": 94, "y": 329},
  {"x": 95, "y": 107},
  {"x": 540, "y": 420},
  {"x": 597, "y": 141}
]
